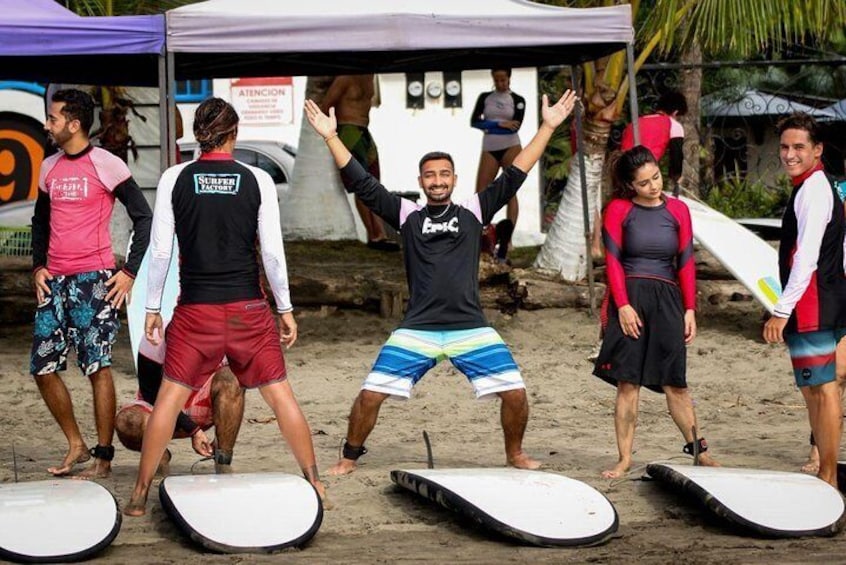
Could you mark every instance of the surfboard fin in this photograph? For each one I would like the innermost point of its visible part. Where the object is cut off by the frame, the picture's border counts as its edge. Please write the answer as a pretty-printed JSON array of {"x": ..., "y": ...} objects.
[{"x": 430, "y": 461}]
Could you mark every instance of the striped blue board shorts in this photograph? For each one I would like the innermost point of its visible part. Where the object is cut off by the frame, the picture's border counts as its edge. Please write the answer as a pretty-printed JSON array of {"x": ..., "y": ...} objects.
[
  {"x": 479, "y": 353},
  {"x": 813, "y": 356}
]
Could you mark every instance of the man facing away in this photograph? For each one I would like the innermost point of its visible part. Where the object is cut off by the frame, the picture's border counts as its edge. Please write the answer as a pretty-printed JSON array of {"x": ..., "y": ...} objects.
[
  {"x": 218, "y": 403},
  {"x": 79, "y": 292},
  {"x": 811, "y": 313},
  {"x": 444, "y": 318},
  {"x": 352, "y": 97},
  {"x": 219, "y": 210}
]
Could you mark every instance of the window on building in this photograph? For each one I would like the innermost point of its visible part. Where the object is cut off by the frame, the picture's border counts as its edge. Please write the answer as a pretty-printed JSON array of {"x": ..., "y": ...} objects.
[{"x": 193, "y": 90}]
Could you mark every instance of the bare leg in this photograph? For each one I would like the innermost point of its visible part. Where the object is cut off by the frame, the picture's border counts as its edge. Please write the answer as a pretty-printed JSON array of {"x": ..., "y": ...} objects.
[
  {"x": 294, "y": 427},
  {"x": 372, "y": 223},
  {"x": 363, "y": 416},
  {"x": 488, "y": 168},
  {"x": 514, "y": 415},
  {"x": 58, "y": 401},
  {"x": 104, "y": 415},
  {"x": 513, "y": 208},
  {"x": 228, "y": 412},
  {"x": 625, "y": 420},
  {"x": 680, "y": 405},
  {"x": 169, "y": 402},
  {"x": 826, "y": 414},
  {"x": 812, "y": 465}
]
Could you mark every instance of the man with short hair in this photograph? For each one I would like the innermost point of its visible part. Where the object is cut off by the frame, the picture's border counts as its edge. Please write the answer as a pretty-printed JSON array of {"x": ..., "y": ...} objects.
[
  {"x": 219, "y": 403},
  {"x": 811, "y": 313},
  {"x": 444, "y": 318},
  {"x": 79, "y": 292}
]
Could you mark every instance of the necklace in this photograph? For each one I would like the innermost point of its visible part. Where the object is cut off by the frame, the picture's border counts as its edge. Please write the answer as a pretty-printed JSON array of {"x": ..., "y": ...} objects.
[{"x": 441, "y": 215}]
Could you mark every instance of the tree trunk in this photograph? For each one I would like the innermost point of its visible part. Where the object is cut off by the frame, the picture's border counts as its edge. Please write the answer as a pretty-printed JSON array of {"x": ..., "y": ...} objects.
[
  {"x": 316, "y": 205},
  {"x": 564, "y": 250},
  {"x": 691, "y": 87}
]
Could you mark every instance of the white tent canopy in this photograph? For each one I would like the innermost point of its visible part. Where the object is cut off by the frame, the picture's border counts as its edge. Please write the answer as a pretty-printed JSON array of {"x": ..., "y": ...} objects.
[
  {"x": 753, "y": 103},
  {"x": 320, "y": 37}
]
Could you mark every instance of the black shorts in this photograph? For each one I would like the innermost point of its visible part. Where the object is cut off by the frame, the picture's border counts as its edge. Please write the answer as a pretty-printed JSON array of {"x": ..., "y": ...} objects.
[{"x": 658, "y": 357}]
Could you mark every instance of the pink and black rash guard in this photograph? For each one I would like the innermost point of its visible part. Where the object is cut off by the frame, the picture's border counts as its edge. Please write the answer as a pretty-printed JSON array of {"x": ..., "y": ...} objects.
[
  {"x": 76, "y": 196},
  {"x": 218, "y": 208},
  {"x": 649, "y": 242},
  {"x": 441, "y": 246}
]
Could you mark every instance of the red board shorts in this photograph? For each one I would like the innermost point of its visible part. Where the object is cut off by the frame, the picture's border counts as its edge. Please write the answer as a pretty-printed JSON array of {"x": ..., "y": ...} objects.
[
  {"x": 200, "y": 335},
  {"x": 198, "y": 407}
]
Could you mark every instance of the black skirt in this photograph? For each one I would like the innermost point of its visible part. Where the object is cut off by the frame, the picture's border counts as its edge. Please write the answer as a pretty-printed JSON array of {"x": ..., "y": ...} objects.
[{"x": 658, "y": 357}]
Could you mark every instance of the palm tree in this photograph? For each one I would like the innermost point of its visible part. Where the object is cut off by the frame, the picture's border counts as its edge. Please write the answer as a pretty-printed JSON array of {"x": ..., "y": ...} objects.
[
  {"x": 662, "y": 27},
  {"x": 316, "y": 207},
  {"x": 113, "y": 133}
]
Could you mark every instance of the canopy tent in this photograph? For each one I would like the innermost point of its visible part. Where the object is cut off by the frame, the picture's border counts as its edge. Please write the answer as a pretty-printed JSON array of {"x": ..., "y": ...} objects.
[
  {"x": 226, "y": 38},
  {"x": 229, "y": 38},
  {"x": 44, "y": 42}
]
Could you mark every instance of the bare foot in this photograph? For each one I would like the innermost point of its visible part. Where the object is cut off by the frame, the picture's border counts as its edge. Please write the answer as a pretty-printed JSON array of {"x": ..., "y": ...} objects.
[
  {"x": 706, "y": 460},
  {"x": 99, "y": 469},
  {"x": 321, "y": 492},
  {"x": 619, "y": 470},
  {"x": 76, "y": 454},
  {"x": 523, "y": 461},
  {"x": 163, "y": 470},
  {"x": 812, "y": 465},
  {"x": 137, "y": 505},
  {"x": 342, "y": 467}
]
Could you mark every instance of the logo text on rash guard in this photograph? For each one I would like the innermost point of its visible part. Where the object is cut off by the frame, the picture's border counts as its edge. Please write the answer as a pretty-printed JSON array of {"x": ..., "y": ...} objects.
[
  {"x": 208, "y": 183},
  {"x": 431, "y": 227}
]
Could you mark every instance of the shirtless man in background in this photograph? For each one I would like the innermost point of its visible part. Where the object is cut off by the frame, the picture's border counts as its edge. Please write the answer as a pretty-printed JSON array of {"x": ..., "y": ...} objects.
[{"x": 352, "y": 97}]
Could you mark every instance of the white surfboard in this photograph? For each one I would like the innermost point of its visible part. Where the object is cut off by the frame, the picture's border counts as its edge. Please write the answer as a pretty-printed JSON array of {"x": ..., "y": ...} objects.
[
  {"x": 56, "y": 520},
  {"x": 532, "y": 507},
  {"x": 769, "y": 503},
  {"x": 243, "y": 512},
  {"x": 135, "y": 312},
  {"x": 750, "y": 259}
]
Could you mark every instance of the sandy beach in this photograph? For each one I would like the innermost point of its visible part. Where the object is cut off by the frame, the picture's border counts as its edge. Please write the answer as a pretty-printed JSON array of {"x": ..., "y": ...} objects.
[{"x": 748, "y": 409}]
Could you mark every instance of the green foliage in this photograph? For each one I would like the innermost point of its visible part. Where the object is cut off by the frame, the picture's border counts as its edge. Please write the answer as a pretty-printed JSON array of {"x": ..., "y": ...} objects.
[{"x": 738, "y": 197}]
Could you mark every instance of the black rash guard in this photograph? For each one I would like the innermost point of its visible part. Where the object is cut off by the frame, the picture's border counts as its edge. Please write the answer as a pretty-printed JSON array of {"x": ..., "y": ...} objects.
[{"x": 441, "y": 247}]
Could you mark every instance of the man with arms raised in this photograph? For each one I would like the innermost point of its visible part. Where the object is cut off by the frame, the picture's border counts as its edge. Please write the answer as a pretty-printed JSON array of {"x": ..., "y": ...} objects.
[
  {"x": 444, "y": 318},
  {"x": 219, "y": 209},
  {"x": 811, "y": 313},
  {"x": 79, "y": 292}
]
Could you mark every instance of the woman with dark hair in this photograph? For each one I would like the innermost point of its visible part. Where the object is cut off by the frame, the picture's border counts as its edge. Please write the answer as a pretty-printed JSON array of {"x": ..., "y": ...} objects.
[
  {"x": 499, "y": 114},
  {"x": 651, "y": 318}
]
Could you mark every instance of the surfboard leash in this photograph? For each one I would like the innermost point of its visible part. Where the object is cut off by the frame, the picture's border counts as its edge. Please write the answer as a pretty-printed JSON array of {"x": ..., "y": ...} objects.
[
  {"x": 15, "y": 462},
  {"x": 430, "y": 461}
]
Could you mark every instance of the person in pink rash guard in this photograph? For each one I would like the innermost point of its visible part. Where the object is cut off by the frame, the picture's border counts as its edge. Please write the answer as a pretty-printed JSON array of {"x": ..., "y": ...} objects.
[{"x": 77, "y": 286}]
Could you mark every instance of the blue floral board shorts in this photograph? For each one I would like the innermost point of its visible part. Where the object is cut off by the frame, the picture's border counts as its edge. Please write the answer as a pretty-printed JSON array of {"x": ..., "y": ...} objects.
[{"x": 75, "y": 313}]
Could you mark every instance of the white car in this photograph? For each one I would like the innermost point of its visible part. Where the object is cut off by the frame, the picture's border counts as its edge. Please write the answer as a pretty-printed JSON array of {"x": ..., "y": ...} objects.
[{"x": 277, "y": 159}]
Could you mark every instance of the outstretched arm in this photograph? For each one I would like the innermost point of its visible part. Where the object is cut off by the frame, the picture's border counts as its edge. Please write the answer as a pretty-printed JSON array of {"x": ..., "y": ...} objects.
[
  {"x": 553, "y": 116},
  {"x": 326, "y": 127}
]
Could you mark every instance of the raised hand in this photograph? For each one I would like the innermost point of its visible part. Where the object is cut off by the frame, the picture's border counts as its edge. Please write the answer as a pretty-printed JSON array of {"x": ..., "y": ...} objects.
[
  {"x": 324, "y": 125},
  {"x": 553, "y": 115}
]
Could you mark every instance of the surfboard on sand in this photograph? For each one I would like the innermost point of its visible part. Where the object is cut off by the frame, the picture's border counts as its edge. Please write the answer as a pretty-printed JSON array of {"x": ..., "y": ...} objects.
[
  {"x": 750, "y": 259},
  {"x": 766, "y": 503},
  {"x": 532, "y": 507},
  {"x": 56, "y": 520},
  {"x": 135, "y": 312},
  {"x": 243, "y": 512}
]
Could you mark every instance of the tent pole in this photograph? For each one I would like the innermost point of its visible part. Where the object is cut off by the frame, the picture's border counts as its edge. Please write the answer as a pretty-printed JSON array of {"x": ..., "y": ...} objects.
[
  {"x": 633, "y": 92},
  {"x": 580, "y": 146},
  {"x": 163, "y": 148},
  {"x": 170, "y": 88}
]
